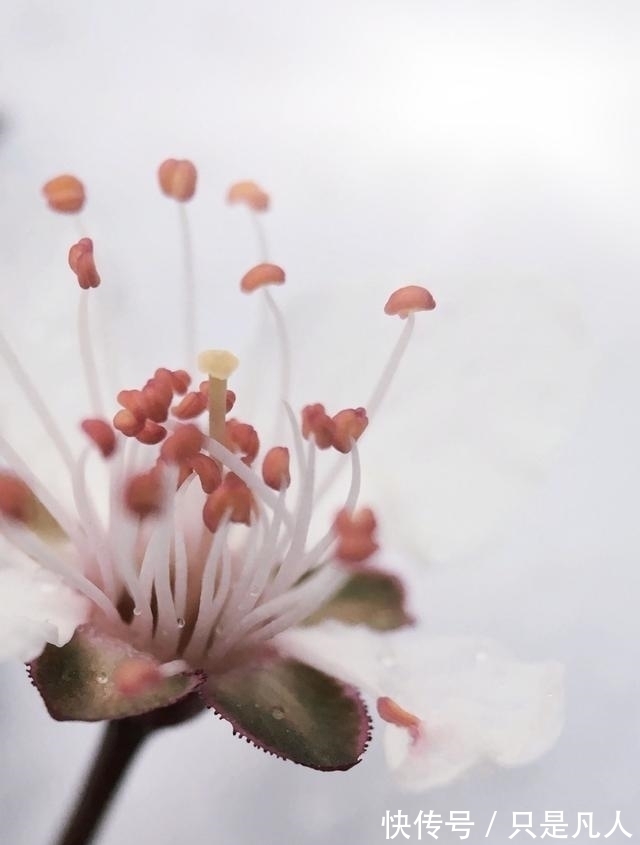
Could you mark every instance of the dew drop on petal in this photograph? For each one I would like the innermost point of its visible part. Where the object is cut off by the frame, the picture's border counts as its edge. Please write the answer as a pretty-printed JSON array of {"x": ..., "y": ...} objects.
[
  {"x": 102, "y": 678},
  {"x": 180, "y": 622},
  {"x": 137, "y": 611},
  {"x": 277, "y": 713}
]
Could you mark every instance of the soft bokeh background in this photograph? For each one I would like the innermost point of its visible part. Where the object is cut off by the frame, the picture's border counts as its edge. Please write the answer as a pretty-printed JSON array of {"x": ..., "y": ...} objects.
[{"x": 487, "y": 149}]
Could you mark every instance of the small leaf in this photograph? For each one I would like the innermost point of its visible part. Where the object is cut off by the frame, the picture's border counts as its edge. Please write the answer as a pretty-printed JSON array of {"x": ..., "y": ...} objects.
[
  {"x": 97, "y": 677},
  {"x": 293, "y": 711},
  {"x": 370, "y": 597}
]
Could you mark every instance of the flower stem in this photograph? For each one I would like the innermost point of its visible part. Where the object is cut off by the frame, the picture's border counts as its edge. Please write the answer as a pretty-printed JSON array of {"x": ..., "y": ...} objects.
[{"x": 120, "y": 742}]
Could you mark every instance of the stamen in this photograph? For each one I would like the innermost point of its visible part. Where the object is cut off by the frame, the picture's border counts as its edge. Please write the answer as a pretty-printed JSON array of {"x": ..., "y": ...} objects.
[
  {"x": 391, "y": 712},
  {"x": 275, "y": 468},
  {"x": 350, "y": 424},
  {"x": 83, "y": 264},
  {"x": 177, "y": 180},
  {"x": 101, "y": 433},
  {"x": 218, "y": 364},
  {"x": 250, "y": 193},
  {"x": 260, "y": 276},
  {"x": 64, "y": 194},
  {"x": 355, "y": 535},
  {"x": 87, "y": 357}
]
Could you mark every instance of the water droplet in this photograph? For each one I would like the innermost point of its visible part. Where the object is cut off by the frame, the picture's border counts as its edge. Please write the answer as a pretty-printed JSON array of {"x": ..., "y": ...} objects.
[
  {"x": 137, "y": 611},
  {"x": 277, "y": 713},
  {"x": 180, "y": 622},
  {"x": 102, "y": 677},
  {"x": 253, "y": 594}
]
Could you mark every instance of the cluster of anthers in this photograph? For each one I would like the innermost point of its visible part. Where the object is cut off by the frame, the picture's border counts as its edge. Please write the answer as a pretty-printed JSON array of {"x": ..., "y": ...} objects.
[{"x": 205, "y": 551}]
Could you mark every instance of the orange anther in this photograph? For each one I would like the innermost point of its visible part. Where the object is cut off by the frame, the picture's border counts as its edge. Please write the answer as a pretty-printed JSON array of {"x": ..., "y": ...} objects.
[
  {"x": 185, "y": 442},
  {"x": 151, "y": 433},
  {"x": 275, "y": 468},
  {"x": 190, "y": 406},
  {"x": 102, "y": 435},
  {"x": 355, "y": 535},
  {"x": 250, "y": 194},
  {"x": 316, "y": 422},
  {"x": 16, "y": 499},
  {"x": 261, "y": 275},
  {"x": 405, "y": 301},
  {"x": 349, "y": 425},
  {"x": 232, "y": 497},
  {"x": 143, "y": 493},
  {"x": 128, "y": 423},
  {"x": 177, "y": 179},
  {"x": 244, "y": 438},
  {"x": 391, "y": 712},
  {"x": 83, "y": 265},
  {"x": 64, "y": 193}
]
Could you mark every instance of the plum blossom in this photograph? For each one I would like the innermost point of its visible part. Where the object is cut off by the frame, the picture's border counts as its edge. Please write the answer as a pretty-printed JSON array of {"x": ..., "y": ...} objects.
[{"x": 210, "y": 572}]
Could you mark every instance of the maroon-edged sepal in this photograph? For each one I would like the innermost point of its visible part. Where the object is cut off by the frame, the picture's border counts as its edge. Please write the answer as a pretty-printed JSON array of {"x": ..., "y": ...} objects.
[
  {"x": 292, "y": 710},
  {"x": 96, "y": 677},
  {"x": 371, "y": 597}
]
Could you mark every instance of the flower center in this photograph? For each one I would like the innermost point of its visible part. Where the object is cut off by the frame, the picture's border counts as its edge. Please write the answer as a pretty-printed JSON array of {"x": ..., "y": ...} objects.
[{"x": 199, "y": 554}]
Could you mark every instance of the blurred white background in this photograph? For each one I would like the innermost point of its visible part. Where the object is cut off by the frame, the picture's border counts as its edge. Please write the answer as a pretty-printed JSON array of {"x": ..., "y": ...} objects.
[{"x": 487, "y": 149}]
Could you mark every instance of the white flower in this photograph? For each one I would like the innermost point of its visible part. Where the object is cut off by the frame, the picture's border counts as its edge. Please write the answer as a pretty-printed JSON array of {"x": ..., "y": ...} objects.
[{"x": 198, "y": 572}]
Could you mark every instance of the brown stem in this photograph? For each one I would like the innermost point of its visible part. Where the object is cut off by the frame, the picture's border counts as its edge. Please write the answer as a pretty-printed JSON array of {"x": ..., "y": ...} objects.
[{"x": 120, "y": 742}]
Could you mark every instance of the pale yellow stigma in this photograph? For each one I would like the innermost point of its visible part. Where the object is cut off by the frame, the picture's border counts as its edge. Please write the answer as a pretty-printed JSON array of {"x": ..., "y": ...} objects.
[{"x": 218, "y": 364}]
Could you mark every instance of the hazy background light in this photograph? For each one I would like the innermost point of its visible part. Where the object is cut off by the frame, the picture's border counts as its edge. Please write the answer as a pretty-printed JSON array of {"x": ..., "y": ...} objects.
[{"x": 487, "y": 149}]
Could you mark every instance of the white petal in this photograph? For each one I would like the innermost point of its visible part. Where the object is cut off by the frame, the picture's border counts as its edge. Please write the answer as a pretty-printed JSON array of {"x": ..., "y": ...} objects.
[
  {"x": 477, "y": 704},
  {"x": 36, "y": 608}
]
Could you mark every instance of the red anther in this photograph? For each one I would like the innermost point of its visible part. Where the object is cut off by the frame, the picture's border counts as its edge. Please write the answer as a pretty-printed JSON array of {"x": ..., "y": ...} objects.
[
  {"x": 83, "y": 265},
  {"x": 261, "y": 275},
  {"x": 355, "y": 535},
  {"x": 316, "y": 422},
  {"x": 163, "y": 389},
  {"x": 177, "y": 178},
  {"x": 156, "y": 401},
  {"x": 64, "y": 193},
  {"x": 275, "y": 468},
  {"x": 143, "y": 493},
  {"x": 208, "y": 471},
  {"x": 391, "y": 712},
  {"x": 128, "y": 423},
  {"x": 134, "y": 676},
  {"x": 350, "y": 423},
  {"x": 250, "y": 194},
  {"x": 102, "y": 435},
  {"x": 134, "y": 402},
  {"x": 405, "y": 301},
  {"x": 232, "y": 497},
  {"x": 16, "y": 498},
  {"x": 190, "y": 406},
  {"x": 151, "y": 433},
  {"x": 180, "y": 380},
  {"x": 185, "y": 442},
  {"x": 164, "y": 377},
  {"x": 244, "y": 438}
]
